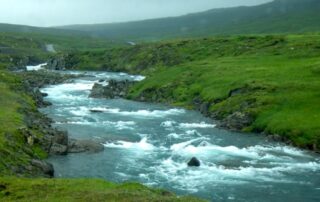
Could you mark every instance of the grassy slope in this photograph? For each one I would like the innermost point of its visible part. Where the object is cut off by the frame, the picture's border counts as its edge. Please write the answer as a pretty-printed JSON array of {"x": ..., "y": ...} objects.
[
  {"x": 16, "y": 50},
  {"x": 14, "y": 149},
  {"x": 279, "y": 77},
  {"x": 281, "y": 16},
  {"x": 13, "y": 189}
]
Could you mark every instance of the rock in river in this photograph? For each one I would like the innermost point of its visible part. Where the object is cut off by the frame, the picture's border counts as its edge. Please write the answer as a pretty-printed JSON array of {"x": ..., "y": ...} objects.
[
  {"x": 78, "y": 146},
  {"x": 194, "y": 162}
]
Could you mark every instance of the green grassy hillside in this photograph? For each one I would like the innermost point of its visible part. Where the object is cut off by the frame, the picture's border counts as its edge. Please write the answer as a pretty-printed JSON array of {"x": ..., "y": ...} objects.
[
  {"x": 38, "y": 30},
  {"x": 272, "y": 82},
  {"x": 280, "y": 16},
  {"x": 15, "y": 151}
]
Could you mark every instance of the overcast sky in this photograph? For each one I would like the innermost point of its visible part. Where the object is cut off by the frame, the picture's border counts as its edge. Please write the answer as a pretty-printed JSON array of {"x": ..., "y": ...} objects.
[{"x": 63, "y": 12}]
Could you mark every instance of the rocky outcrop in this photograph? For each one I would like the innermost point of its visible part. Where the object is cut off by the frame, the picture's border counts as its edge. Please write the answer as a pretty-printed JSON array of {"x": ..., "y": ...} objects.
[
  {"x": 79, "y": 146},
  {"x": 59, "y": 143},
  {"x": 236, "y": 121},
  {"x": 114, "y": 89},
  {"x": 39, "y": 79},
  {"x": 37, "y": 137},
  {"x": 194, "y": 162},
  {"x": 202, "y": 106},
  {"x": 44, "y": 167},
  {"x": 57, "y": 63}
]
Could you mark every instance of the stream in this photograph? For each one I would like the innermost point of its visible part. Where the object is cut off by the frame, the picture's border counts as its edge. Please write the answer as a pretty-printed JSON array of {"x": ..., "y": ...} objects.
[{"x": 152, "y": 143}]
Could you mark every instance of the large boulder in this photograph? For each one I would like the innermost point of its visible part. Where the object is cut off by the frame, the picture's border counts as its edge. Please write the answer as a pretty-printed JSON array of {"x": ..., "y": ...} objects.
[{"x": 194, "y": 162}]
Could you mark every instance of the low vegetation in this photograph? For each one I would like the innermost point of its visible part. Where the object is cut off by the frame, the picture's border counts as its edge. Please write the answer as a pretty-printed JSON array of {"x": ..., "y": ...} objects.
[
  {"x": 273, "y": 80},
  {"x": 13, "y": 189}
]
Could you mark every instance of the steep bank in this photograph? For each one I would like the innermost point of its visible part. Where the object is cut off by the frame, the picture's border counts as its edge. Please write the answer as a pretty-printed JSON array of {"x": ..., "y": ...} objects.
[
  {"x": 253, "y": 83},
  {"x": 26, "y": 135},
  {"x": 21, "y": 141}
]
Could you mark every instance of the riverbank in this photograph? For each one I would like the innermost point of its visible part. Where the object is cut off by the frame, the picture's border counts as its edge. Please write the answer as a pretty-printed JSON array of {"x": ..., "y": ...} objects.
[
  {"x": 152, "y": 144},
  {"x": 259, "y": 84}
]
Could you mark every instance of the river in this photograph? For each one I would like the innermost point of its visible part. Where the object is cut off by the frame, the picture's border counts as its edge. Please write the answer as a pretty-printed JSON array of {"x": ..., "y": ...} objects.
[{"x": 152, "y": 143}]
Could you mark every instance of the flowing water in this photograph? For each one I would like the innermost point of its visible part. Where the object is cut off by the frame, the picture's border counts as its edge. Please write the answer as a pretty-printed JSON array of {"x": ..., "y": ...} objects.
[{"x": 152, "y": 143}]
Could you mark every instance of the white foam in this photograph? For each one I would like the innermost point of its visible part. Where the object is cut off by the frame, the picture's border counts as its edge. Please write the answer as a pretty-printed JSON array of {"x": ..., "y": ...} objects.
[
  {"x": 142, "y": 145},
  {"x": 205, "y": 148},
  {"x": 145, "y": 113},
  {"x": 187, "y": 135},
  {"x": 179, "y": 174},
  {"x": 168, "y": 124},
  {"x": 193, "y": 132},
  {"x": 196, "y": 125},
  {"x": 120, "y": 125},
  {"x": 138, "y": 78},
  {"x": 65, "y": 92},
  {"x": 79, "y": 111},
  {"x": 183, "y": 145},
  {"x": 36, "y": 67},
  {"x": 174, "y": 135},
  {"x": 277, "y": 149}
]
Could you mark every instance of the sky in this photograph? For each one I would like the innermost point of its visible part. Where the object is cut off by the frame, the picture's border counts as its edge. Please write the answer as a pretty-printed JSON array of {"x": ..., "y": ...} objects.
[{"x": 64, "y": 12}]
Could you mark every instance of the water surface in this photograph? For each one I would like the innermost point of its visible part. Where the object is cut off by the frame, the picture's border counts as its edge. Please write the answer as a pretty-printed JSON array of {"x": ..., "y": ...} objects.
[{"x": 152, "y": 143}]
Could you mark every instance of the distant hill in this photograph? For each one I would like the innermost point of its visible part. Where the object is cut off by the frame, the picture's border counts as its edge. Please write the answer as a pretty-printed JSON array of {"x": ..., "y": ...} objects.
[
  {"x": 40, "y": 30},
  {"x": 279, "y": 16}
]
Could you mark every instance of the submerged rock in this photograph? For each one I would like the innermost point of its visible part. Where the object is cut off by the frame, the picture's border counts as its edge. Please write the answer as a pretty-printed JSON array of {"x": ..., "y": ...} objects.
[
  {"x": 194, "y": 162},
  {"x": 96, "y": 111}
]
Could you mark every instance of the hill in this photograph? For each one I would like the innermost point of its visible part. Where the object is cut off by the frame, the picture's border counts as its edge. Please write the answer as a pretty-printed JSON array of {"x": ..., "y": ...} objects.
[
  {"x": 279, "y": 16},
  {"x": 10, "y": 28}
]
